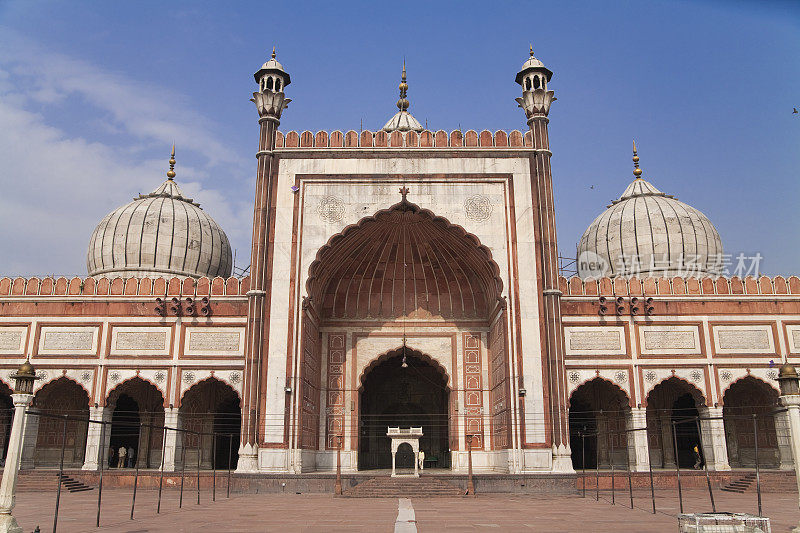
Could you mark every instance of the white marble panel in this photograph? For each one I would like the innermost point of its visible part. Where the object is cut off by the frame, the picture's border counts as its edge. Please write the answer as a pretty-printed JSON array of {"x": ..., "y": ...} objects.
[
  {"x": 225, "y": 341},
  {"x": 142, "y": 340},
  {"x": 12, "y": 339},
  {"x": 595, "y": 340},
  {"x": 69, "y": 340},
  {"x": 756, "y": 339},
  {"x": 793, "y": 338},
  {"x": 669, "y": 340}
]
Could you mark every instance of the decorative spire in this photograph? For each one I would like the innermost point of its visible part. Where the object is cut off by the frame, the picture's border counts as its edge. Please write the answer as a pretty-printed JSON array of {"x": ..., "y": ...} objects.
[
  {"x": 531, "y": 49},
  {"x": 273, "y": 52},
  {"x": 403, "y": 103},
  {"x": 636, "y": 170},
  {"x": 171, "y": 171}
]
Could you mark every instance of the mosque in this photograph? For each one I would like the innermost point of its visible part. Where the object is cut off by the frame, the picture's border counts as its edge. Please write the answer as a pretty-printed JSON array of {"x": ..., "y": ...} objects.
[{"x": 403, "y": 278}]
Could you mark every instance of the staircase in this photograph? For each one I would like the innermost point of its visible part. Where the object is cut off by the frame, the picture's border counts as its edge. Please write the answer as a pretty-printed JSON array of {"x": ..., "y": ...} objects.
[
  {"x": 741, "y": 485},
  {"x": 44, "y": 480},
  {"x": 403, "y": 487}
]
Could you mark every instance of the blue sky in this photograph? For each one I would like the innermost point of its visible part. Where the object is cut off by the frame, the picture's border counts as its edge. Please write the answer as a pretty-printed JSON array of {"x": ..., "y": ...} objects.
[{"x": 92, "y": 94}]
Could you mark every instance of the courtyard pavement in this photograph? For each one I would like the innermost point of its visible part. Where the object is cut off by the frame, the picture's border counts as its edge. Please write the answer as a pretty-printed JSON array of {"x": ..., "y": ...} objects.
[{"x": 324, "y": 513}]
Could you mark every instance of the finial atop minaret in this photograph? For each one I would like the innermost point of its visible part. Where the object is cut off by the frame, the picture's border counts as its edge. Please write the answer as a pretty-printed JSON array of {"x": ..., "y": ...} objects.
[
  {"x": 636, "y": 170},
  {"x": 403, "y": 103},
  {"x": 273, "y": 52},
  {"x": 171, "y": 171},
  {"x": 531, "y": 49}
]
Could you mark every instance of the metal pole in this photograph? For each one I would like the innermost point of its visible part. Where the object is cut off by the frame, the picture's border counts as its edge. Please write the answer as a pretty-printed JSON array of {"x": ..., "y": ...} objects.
[
  {"x": 337, "y": 487},
  {"x": 183, "y": 467},
  {"x": 230, "y": 462},
  {"x": 213, "y": 467},
  {"x": 103, "y": 458},
  {"x": 597, "y": 465},
  {"x": 583, "y": 458},
  {"x": 677, "y": 464},
  {"x": 163, "y": 457},
  {"x": 628, "y": 436},
  {"x": 650, "y": 470},
  {"x": 611, "y": 460},
  {"x": 705, "y": 467},
  {"x": 470, "y": 483},
  {"x": 60, "y": 471},
  {"x": 135, "y": 480},
  {"x": 758, "y": 470},
  {"x": 199, "y": 454}
]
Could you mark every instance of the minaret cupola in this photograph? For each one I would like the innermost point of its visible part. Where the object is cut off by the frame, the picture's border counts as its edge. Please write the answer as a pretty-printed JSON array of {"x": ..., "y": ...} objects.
[
  {"x": 271, "y": 76},
  {"x": 533, "y": 74}
]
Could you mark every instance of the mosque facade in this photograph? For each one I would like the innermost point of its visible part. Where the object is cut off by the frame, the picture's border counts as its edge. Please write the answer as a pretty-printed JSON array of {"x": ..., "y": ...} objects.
[{"x": 409, "y": 278}]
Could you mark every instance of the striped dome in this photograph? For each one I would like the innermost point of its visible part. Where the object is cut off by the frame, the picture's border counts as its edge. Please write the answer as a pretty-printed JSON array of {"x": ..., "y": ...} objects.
[
  {"x": 159, "y": 234},
  {"x": 648, "y": 233}
]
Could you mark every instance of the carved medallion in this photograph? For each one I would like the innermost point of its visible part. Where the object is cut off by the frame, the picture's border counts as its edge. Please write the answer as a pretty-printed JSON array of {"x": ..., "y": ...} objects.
[
  {"x": 621, "y": 377},
  {"x": 478, "y": 208},
  {"x": 331, "y": 209}
]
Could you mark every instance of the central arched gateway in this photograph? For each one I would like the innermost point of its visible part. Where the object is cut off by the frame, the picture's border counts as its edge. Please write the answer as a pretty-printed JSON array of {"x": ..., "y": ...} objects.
[{"x": 403, "y": 389}]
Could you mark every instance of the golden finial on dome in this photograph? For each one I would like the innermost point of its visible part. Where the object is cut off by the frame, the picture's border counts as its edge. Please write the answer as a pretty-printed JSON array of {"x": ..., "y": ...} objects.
[
  {"x": 636, "y": 170},
  {"x": 531, "y": 49},
  {"x": 273, "y": 52},
  {"x": 403, "y": 103},
  {"x": 171, "y": 171}
]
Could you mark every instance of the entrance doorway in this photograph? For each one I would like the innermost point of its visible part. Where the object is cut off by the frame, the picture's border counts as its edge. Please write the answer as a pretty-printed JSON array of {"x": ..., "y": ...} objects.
[{"x": 403, "y": 390}]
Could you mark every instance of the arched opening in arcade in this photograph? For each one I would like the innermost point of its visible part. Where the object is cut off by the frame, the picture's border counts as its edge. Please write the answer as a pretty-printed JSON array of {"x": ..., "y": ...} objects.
[
  {"x": 137, "y": 420},
  {"x": 403, "y": 389},
  {"x": 748, "y": 413},
  {"x": 211, "y": 413},
  {"x": 400, "y": 275},
  {"x": 6, "y": 416},
  {"x": 598, "y": 413},
  {"x": 673, "y": 409},
  {"x": 60, "y": 397}
]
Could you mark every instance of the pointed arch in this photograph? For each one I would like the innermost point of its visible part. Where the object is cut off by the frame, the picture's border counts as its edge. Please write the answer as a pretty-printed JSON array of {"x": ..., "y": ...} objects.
[
  {"x": 404, "y": 255},
  {"x": 396, "y": 352}
]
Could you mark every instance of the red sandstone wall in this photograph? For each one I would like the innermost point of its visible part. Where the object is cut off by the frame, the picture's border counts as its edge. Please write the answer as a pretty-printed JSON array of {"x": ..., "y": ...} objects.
[{"x": 426, "y": 139}]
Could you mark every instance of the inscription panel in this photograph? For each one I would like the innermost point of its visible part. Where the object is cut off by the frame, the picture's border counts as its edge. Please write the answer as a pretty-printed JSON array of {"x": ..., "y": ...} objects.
[
  {"x": 144, "y": 340},
  {"x": 793, "y": 341},
  {"x": 56, "y": 340},
  {"x": 595, "y": 340},
  {"x": 12, "y": 339},
  {"x": 227, "y": 341},
  {"x": 670, "y": 340},
  {"x": 744, "y": 339}
]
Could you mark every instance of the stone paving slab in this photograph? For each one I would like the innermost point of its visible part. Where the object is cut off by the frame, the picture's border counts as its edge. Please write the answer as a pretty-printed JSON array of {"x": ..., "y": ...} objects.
[{"x": 323, "y": 512}]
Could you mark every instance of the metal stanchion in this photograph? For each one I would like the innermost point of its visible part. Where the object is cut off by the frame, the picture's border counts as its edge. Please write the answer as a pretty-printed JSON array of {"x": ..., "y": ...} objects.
[
  {"x": 705, "y": 466},
  {"x": 60, "y": 472},
  {"x": 583, "y": 458},
  {"x": 650, "y": 470},
  {"x": 230, "y": 463},
  {"x": 611, "y": 460},
  {"x": 135, "y": 481},
  {"x": 677, "y": 464},
  {"x": 597, "y": 466},
  {"x": 214, "y": 467},
  {"x": 183, "y": 467},
  {"x": 103, "y": 458},
  {"x": 758, "y": 470},
  {"x": 628, "y": 436},
  {"x": 199, "y": 454},
  {"x": 163, "y": 457}
]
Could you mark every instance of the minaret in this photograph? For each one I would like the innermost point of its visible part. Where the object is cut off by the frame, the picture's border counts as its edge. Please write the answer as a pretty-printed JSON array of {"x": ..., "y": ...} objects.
[
  {"x": 536, "y": 101},
  {"x": 270, "y": 102}
]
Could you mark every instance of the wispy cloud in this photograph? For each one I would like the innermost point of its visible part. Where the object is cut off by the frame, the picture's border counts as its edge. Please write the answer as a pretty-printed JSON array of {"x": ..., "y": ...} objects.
[{"x": 59, "y": 179}]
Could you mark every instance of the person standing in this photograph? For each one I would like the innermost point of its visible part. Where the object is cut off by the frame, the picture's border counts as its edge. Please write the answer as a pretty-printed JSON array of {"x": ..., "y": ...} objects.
[
  {"x": 131, "y": 456},
  {"x": 421, "y": 460},
  {"x": 110, "y": 456},
  {"x": 697, "y": 459},
  {"x": 123, "y": 452}
]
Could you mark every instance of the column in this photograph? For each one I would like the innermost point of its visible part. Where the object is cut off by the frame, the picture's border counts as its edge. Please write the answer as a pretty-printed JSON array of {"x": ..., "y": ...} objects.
[
  {"x": 173, "y": 441},
  {"x": 31, "y": 432},
  {"x": 8, "y": 524},
  {"x": 712, "y": 433},
  {"x": 667, "y": 444},
  {"x": 783, "y": 435},
  {"x": 98, "y": 438},
  {"x": 638, "y": 447}
]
